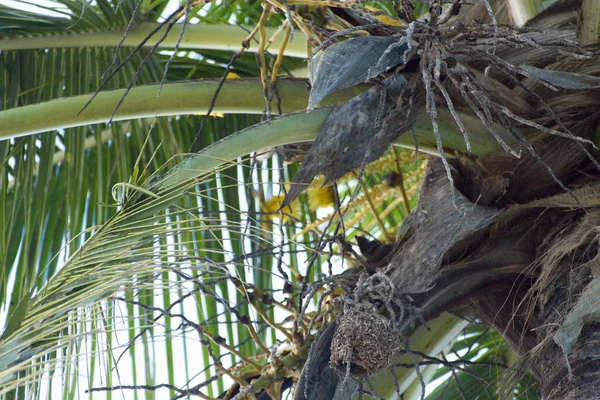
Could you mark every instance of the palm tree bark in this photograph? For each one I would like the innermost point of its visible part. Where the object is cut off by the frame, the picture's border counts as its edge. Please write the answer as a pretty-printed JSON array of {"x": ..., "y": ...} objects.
[
  {"x": 534, "y": 307},
  {"x": 582, "y": 381}
]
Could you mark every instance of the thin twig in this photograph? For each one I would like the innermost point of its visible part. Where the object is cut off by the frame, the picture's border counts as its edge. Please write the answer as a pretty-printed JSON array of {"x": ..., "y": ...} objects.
[
  {"x": 138, "y": 48},
  {"x": 245, "y": 44}
]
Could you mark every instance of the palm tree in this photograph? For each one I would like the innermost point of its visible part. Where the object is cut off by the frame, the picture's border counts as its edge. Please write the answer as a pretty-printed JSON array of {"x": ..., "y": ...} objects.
[{"x": 198, "y": 248}]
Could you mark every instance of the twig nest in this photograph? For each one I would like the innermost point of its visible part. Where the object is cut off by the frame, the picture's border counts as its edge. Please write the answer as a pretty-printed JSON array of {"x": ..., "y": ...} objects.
[{"x": 365, "y": 339}]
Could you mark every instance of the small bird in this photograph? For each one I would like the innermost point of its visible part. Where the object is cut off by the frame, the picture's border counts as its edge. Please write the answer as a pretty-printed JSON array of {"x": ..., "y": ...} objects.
[{"x": 378, "y": 254}]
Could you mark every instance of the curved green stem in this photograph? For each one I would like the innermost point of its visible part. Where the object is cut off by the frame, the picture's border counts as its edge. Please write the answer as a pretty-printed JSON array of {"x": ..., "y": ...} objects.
[
  {"x": 241, "y": 96},
  {"x": 195, "y": 37},
  {"x": 299, "y": 127}
]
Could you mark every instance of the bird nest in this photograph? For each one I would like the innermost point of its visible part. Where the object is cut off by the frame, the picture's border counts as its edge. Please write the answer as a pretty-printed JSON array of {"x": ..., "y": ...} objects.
[{"x": 365, "y": 343}]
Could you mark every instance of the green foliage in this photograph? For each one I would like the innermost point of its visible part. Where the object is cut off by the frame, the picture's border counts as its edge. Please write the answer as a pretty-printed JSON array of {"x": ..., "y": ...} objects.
[{"x": 483, "y": 367}]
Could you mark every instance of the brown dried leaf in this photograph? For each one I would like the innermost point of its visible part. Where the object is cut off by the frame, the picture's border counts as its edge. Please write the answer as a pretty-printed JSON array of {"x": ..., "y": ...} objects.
[
  {"x": 354, "y": 61},
  {"x": 353, "y": 127},
  {"x": 562, "y": 79}
]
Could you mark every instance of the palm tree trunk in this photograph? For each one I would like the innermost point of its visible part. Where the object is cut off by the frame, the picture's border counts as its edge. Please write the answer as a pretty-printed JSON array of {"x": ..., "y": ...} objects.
[
  {"x": 583, "y": 381},
  {"x": 549, "y": 311}
]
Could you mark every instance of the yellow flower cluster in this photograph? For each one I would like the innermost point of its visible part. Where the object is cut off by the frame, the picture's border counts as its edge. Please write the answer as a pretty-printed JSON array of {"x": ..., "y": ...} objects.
[
  {"x": 358, "y": 210},
  {"x": 271, "y": 209},
  {"x": 319, "y": 196}
]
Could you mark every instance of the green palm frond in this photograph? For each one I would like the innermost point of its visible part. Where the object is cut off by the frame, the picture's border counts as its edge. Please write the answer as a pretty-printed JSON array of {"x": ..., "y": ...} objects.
[
  {"x": 21, "y": 22},
  {"x": 483, "y": 366},
  {"x": 67, "y": 72}
]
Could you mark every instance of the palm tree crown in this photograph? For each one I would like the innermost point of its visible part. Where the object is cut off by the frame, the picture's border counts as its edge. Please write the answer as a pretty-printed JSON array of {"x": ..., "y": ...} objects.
[{"x": 160, "y": 238}]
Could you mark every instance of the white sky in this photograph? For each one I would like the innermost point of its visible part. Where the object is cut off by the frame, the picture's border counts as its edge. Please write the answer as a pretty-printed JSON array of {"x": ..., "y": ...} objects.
[{"x": 34, "y": 6}]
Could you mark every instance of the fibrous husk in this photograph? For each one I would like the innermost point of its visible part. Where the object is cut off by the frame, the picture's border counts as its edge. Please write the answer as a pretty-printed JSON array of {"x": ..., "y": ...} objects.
[
  {"x": 503, "y": 181},
  {"x": 433, "y": 228},
  {"x": 587, "y": 309},
  {"x": 377, "y": 254}
]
